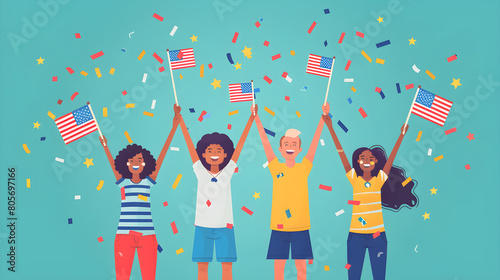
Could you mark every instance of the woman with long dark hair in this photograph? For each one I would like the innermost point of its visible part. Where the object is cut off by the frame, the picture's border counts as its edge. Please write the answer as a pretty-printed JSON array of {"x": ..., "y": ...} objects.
[{"x": 376, "y": 183}]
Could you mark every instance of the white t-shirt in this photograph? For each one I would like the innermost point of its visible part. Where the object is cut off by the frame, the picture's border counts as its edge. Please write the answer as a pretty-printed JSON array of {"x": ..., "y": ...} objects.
[{"x": 220, "y": 211}]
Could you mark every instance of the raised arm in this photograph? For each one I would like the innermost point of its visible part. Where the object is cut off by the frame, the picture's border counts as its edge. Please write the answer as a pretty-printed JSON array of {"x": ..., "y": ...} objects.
[
  {"x": 390, "y": 161},
  {"x": 265, "y": 142},
  {"x": 243, "y": 137},
  {"x": 111, "y": 160},
  {"x": 161, "y": 157},
  {"x": 317, "y": 135},
  {"x": 187, "y": 137},
  {"x": 343, "y": 157}
]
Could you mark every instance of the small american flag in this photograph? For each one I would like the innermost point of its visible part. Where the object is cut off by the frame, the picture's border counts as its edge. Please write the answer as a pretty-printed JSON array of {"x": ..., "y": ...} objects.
[
  {"x": 180, "y": 59},
  {"x": 76, "y": 124},
  {"x": 240, "y": 92},
  {"x": 431, "y": 107},
  {"x": 319, "y": 65}
]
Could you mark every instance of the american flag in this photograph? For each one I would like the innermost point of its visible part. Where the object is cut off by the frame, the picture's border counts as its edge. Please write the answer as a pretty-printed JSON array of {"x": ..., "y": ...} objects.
[
  {"x": 431, "y": 107},
  {"x": 319, "y": 65},
  {"x": 76, "y": 124},
  {"x": 180, "y": 59},
  {"x": 240, "y": 92}
]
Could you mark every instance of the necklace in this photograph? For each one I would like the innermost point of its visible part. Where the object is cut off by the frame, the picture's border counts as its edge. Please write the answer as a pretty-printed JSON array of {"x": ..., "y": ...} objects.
[{"x": 214, "y": 178}]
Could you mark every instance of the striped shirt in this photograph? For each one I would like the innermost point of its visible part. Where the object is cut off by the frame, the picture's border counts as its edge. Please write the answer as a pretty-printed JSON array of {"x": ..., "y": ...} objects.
[
  {"x": 136, "y": 209},
  {"x": 367, "y": 216}
]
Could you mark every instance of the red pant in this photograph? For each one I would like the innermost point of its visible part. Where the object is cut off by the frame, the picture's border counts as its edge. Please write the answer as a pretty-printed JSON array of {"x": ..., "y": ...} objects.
[{"x": 125, "y": 245}]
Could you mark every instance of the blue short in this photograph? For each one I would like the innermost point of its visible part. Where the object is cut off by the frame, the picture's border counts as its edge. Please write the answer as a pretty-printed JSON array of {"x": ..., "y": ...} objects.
[
  {"x": 204, "y": 239},
  {"x": 279, "y": 246}
]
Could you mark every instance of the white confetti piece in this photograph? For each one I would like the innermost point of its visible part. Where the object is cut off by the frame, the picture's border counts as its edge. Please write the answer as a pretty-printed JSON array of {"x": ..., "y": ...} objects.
[
  {"x": 288, "y": 79},
  {"x": 429, "y": 152},
  {"x": 349, "y": 80},
  {"x": 144, "y": 77},
  {"x": 265, "y": 164},
  {"x": 415, "y": 68},
  {"x": 338, "y": 213},
  {"x": 60, "y": 160},
  {"x": 77, "y": 197},
  {"x": 153, "y": 104},
  {"x": 322, "y": 142},
  {"x": 173, "y": 30},
  {"x": 174, "y": 149}
]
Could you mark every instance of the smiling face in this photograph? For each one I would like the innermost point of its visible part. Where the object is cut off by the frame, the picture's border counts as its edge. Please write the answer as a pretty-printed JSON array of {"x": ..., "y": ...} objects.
[
  {"x": 136, "y": 164},
  {"x": 290, "y": 147},
  {"x": 214, "y": 154},
  {"x": 367, "y": 161}
]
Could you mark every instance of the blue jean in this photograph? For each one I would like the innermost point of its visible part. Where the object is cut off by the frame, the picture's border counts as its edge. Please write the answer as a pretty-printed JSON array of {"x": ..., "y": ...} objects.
[
  {"x": 204, "y": 240},
  {"x": 357, "y": 243}
]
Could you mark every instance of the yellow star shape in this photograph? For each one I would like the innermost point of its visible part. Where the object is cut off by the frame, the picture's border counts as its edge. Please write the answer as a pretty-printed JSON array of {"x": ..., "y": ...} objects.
[
  {"x": 40, "y": 60},
  {"x": 215, "y": 83},
  {"x": 433, "y": 190},
  {"x": 194, "y": 38},
  {"x": 36, "y": 125},
  {"x": 426, "y": 216},
  {"x": 247, "y": 52},
  {"x": 88, "y": 162},
  {"x": 238, "y": 65},
  {"x": 380, "y": 19},
  {"x": 412, "y": 41},
  {"x": 256, "y": 195},
  {"x": 456, "y": 83}
]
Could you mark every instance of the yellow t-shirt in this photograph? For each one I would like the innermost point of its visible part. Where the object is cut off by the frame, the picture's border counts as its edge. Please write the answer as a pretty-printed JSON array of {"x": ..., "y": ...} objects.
[
  {"x": 290, "y": 206},
  {"x": 370, "y": 207}
]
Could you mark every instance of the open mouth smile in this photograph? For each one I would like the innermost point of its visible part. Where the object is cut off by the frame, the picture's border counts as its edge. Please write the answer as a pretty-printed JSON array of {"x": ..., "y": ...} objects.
[
  {"x": 290, "y": 152},
  {"x": 135, "y": 167},
  {"x": 366, "y": 165},
  {"x": 214, "y": 158}
]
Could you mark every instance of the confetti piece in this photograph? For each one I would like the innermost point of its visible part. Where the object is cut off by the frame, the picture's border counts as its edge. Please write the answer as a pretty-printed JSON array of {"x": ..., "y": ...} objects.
[
  {"x": 376, "y": 234},
  {"x": 28, "y": 183},
  {"x": 322, "y": 142},
  {"x": 288, "y": 214},
  {"x": 269, "y": 132},
  {"x": 98, "y": 72},
  {"x": 360, "y": 34},
  {"x": 348, "y": 80},
  {"x": 438, "y": 158},
  {"x": 142, "y": 197},
  {"x": 54, "y": 79},
  {"x": 383, "y": 43},
  {"x": 78, "y": 36},
  {"x": 158, "y": 17},
  {"x": 210, "y": 66},
  {"x": 165, "y": 204},
  {"x": 451, "y": 130},
  {"x": 231, "y": 113},
  {"x": 349, "y": 100},
  {"x": 348, "y": 65},
  {"x": 265, "y": 164},
  {"x": 59, "y": 101},
  {"x": 202, "y": 70},
  {"x": 248, "y": 211},
  {"x": 430, "y": 74},
  {"x": 174, "y": 227},
  {"x": 208, "y": 203},
  {"x": 347, "y": 266},
  {"x": 124, "y": 50},
  {"x": 298, "y": 114},
  {"x": 124, "y": 92},
  {"x": 153, "y": 104},
  {"x": 173, "y": 30},
  {"x": 42, "y": 139},
  {"x": 180, "y": 76},
  {"x": 159, "y": 248},
  {"x": 96, "y": 55},
  {"x": 353, "y": 89},
  {"x": 84, "y": 73},
  {"x": 429, "y": 152},
  {"x": 130, "y": 105},
  {"x": 257, "y": 24},
  {"x": 327, "y": 268},
  {"x": 191, "y": 110},
  {"x": 59, "y": 160},
  {"x": 51, "y": 115},
  {"x": 101, "y": 183},
  {"x": 235, "y": 37},
  {"x": 160, "y": 60},
  {"x": 144, "y": 77},
  {"x": 366, "y": 56},
  {"x": 229, "y": 126},
  {"x": 353, "y": 202},
  {"x": 274, "y": 57},
  {"x": 255, "y": 90},
  {"x": 312, "y": 27},
  {"x": 451, "y": 58},
  {"x": 141, "y": 55},
  {"x": 266, "y": 43},
  {"x": 418, "y": 136},
  {"x": 342, "y": 126},
  {"x": 161, "y": 69},
  {"x": 362, "y": 112},
  {"x": 112, "y": 71},
  {"x": 70, "y": 70},
  {"x": 410, "y": 86},
  {"x": 122, "y": 191},
  {"x": 340, "y": 212},
  {"x": 179, "y": 251},
  {"x": 100, "y": 239},
  {"x": 327, "y": 11},
  {"x": 25, "y": 147},
  {"x": 74, "y": 95},
  {"x": 326, "y": 188},
  {"x": 201, "y": 115},
  {"x": 325, "y": 43},
  {"x": 398, "y": 88},
  {"x": 341, "y": 38},
  {"x": 362, "y": 221},
  {"x": 174, "y": 149},
  {"x": 176, "y": 182},
  {"x": 229, "y": 58},
  {"x": 128, "y": 137},
  {"x": 467, "y": 167},
  {"x": 78, "y": 197},
  {"x": 415, "y": 68},
  {"x": 405, "y": 182},
  {"x": 229, "y": 226},
  {"x": 287, "y": 98},
  {"x": 267, "y": 79},
  {"x": 292, "y": 53},
  {"x": 148, "y": 114},
  {"x": 269, "y": 111},
  {"x": 379, "y": 61},
  {"x": 105, "y": 112}
]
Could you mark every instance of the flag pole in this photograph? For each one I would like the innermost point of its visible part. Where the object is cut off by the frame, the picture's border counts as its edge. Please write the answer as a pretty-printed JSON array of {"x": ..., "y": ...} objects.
[
  {"x": 409, "y": 113},
  {"x": 172, "y": 76},
  {"x": 329, "y": 79},
  {"x": 97, "y": 124},
  {"x": 253, "y": 100}
]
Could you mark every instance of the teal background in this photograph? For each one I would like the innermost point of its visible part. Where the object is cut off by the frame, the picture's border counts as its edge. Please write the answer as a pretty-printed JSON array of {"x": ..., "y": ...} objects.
[{"x": 459, "y": 241}]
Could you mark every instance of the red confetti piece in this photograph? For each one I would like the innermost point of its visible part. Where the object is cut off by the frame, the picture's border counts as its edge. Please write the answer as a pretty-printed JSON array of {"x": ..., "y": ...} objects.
[
  {"x": 236, "y": 170},
  {"x": 347, "y": 266},
  {"x": 122, "y": 191},
  {"x": 360, "y": 34},
  {"x": 74, "y": 95},
  {"x": 78, "y": 36},
  {"x": 451, "y": 58},
  {"x": 280, "y": 226},
  {"x": 59, "y": 101},
  {"x": 312, "y": 27},
  {"x": 376, "y": 234},
  {"x": 449, "y": 131},
  {"x": 54, "y": 79},
  {"x": 266, "y": 78},
  {"x": 276, "y": 56},
  {"x": 160, "y": 60},
  {"x": 377, "y": 89},
  {"x": 266, "y": 43},
  {"x": 229, "y": 226},
  {"x": 229, "y": 126},
  {"x": 70, "y": 70},
  {"x": 96, "y": 55},
  {"x": 326, "y": 188},
  {"x": 161, "y": 69},
  {"x": 284, "y": 75},
  {"x": 362, "y": 112},
  {"x": 353, "y": 202},
  {"x": 158, "y": 17},
  {"x": 257, "y": 24},
  {"x": 410, "y": 86},
  {"x": 208, "y": 203},
  {"x": 235, "y": 37},
  {"x": 341, "y": 38},
  {"x": 248, "y": 211},
  {"x": 287, "y": 98},
  {"x": 201, "y": 116},
  {"x": 124, "y": 92},
  {"x": 135, "y": 233},
  {"x": 348, "y": 65},
  {"x": 210, "y": 66},
  {"x": 174, "y": 227},
  {"x": 467, "y": 167},
  {"x": 165, "y": 204},
  {"x": 180, "y": 55},
  {"x": 100, "y": 239},
  {"x": 310, "y": 261}
]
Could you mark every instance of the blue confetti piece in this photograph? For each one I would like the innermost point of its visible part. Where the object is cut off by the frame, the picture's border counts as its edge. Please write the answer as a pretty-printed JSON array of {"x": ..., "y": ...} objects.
[
  {"x": 261, "y": 19},
  {"x": 42, "y": 139},
  {"x": 279, "y": 175},
  {"x": 342, "y": 126},
  {"x": 288, "y": 214},
  {"x": 398, "y": 88},
  {"x": 330, "y": 115},
  {"x": 384, "y": 43},
  {"x": 327, "y": 11},
  {"x": 160, "y": 249},
  {"x": 363, "y": 222},
  {"x": 70, "y": 221},
  {"x": 326, "y": 43},
  {"x": 382, "y": 94},
  {"x": 269, "y": 132},
  {"x": 191, "y": 110},
  {"x": 206, "y": 116},
  {"x": 230, "y": 58},
  {"x": 349, "y": 100},
  {"x": 124, "y": 50},
  {"x": 255, "y": 90},
  {"x": 254, "y": 96}
]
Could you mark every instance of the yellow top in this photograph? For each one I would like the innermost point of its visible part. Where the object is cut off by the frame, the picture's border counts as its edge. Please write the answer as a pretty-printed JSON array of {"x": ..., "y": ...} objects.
[
  {"x": 290, "y": 193},
  {"x": 370, "y": 207}
]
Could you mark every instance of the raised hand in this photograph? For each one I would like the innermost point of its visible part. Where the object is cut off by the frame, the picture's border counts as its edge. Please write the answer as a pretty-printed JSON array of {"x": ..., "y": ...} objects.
[
  {"x": 404, "y": 129},
  {"x": 254, "y": 109},
  {"x": 327, "y": 119},
  {"x": 177, "y": 109},
  {"x": 104, "y": 141},
  {"x": 326, "y": 109}
]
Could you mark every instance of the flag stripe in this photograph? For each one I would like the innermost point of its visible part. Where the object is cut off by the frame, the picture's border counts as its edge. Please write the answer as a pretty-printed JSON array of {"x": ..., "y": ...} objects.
[
  {"x": 70, "y": 129},
  {"x": 431, "y": 107},
  {"x": 81, "y": 136},
  {"x": 76, "y": 129},
  {"x": 313, "y": 66},
  {"x": 428, "y": 115},
  {"x": 187, "y": 61},
  {"x": 432, "y": 112}
]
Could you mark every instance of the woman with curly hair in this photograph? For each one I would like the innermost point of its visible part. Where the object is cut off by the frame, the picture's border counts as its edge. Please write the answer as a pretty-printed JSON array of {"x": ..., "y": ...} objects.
[
  {"x": 135, "y": 170},
  {"x": 214, "y": 163},
  {"x": 376, "y": 183}
]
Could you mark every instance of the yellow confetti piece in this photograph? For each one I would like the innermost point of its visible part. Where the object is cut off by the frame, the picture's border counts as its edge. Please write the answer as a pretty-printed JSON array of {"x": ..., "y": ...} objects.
[
  {"x": 298, "y": 114},
  {"x": 233, "y": 112},
  {"x": 353, "y": 89},
  {"x": 327, "y": 268},
  {"x": 419, "y": 135},
  {"x": 141, "y": 55},
  {"x": 176, "y": 182},
  {"x": 105, "y": 112},
  {"x": 98, "y": 72},
  {"x": 142, "y": 197},
  {"x": 25, "y": 147},
  {"x": 292, "y": 53},
  {"x": 202, "y": 70},
  {"x": 130, "y": 105},
  {"x": 28, "y": 183},
  {"x": 405, "y": 182},
  {"x": 84, "y": 73},
  {"x": 180, "y": 76},
  {"x": 366, "y": 56},
  {"x": 269, "y": 111},
  {"x": 379, "y": 61},
  {"x": 148, "y": 114},
  {"x": 179, "y": 251},
  {"x": 51, "y": 115},
  {"x": 128, "y": 137},
  {"x": 112, "y": 71},
  {"x": 430, "y": 74},
  {"x": 438, "y": 158},
  {"x": 101, "y": 183}
]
